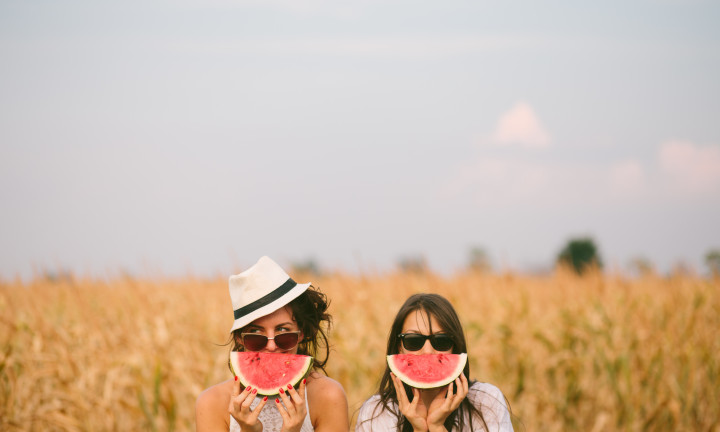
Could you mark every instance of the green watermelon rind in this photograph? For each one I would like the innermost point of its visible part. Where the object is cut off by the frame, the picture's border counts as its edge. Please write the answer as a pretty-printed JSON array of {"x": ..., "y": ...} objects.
[
  {"x": 264, "y": 389},
  {"x": 445, "y": 380}
]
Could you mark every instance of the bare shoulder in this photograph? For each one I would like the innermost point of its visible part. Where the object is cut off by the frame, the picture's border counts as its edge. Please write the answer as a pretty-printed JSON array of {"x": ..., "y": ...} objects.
[
  {"x": 211, "y": 407},
  {"x": 329, "y": 396},
  {"x": 218, "y": 393},
  {"x": 324, "y": 389}
]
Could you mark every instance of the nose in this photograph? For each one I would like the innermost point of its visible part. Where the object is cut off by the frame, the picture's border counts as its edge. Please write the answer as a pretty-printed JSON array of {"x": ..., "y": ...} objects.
[
  {"x": 271, "y": 347},
  {"x": 427, "y": 348}
]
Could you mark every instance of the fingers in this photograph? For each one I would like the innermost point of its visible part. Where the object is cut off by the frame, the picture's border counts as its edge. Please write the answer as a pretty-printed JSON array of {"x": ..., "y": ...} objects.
[
  {"x": 286, "y": 408},
  {"x": 455, "y": 399},
  {"x": 301, "y": 387},
  {"x": 259, "y": 407},
  {"x": 241, "y": 408},
  {"x": 444, "y": 398},
  {"x": 287, "y": 401},
  {"x": 283, "y": 411},
  {"x": 236, "y": 387},
  {"x": 450, "y": 396},
  {"x": 461, "y": 384},
  {"x": 465, "y": 385},
  {"x": 249, "y": 397},
  {"x": 416, "y": 397},
  {"x": 295, "y": 395},
  {"x": 400, "y": 390},
  {"x": 238, "y": 401}
]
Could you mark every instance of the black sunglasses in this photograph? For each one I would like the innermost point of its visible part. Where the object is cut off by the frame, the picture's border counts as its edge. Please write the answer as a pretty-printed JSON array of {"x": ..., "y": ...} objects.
[
  {"x": 255, "y": 341},
  {"x": 415, "y": 341}
]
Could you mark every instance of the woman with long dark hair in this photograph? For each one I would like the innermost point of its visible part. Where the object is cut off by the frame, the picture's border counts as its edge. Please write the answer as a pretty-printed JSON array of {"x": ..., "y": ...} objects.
[{"x": 428, "y": 324}]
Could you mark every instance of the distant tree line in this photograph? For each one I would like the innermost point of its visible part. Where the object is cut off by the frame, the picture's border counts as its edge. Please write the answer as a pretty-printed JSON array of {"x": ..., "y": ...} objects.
[{"x": 580, "y": 254}]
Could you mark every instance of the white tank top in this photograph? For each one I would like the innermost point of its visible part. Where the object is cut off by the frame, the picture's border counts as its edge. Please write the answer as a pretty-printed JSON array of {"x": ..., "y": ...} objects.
[{"x": 271, "y": 419}]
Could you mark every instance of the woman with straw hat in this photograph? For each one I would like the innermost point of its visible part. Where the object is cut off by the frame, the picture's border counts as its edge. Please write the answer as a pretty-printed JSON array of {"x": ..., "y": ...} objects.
[{"x": 275, "y": 314}]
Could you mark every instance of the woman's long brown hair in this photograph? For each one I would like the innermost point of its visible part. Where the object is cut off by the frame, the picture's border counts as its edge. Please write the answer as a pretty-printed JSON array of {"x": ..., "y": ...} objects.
[{"x": 438, "y": 307}]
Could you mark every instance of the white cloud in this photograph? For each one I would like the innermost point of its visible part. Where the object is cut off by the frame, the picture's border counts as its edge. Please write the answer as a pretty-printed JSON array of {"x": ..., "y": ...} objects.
[
  {"x": 690, "y": 167},
  {"x": 681, "y": 171},
  {"x": 521, "y": 126}
]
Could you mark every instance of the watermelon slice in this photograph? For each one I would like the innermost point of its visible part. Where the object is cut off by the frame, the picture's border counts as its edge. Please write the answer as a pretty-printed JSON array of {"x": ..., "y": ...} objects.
[
  {"x": 268, "y": 372},
  {"x": 427, "y": 370}
]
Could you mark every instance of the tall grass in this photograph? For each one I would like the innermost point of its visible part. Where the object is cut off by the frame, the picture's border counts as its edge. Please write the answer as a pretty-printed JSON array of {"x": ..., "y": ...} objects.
[{"x": 588, "y": 353}]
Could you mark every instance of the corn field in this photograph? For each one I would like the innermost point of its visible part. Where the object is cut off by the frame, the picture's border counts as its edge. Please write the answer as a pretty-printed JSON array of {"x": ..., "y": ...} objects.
[{"x": 591, "y": 353}]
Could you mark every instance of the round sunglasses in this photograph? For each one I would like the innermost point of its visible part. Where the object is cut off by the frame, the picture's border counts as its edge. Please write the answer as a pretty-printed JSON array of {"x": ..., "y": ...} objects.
[
  {"x": 255, "y": 341},
  {"x": 415, "y": 341}
]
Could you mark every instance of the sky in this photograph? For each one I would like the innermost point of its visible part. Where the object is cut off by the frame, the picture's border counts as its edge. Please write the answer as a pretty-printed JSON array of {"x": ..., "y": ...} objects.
[{"x": 191, "y": 137}]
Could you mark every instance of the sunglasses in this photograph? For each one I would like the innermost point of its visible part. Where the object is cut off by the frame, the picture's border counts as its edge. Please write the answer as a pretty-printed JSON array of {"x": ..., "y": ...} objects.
[
  {"x": 255, "y": 341},
  {"x": 415, "y": 341}
]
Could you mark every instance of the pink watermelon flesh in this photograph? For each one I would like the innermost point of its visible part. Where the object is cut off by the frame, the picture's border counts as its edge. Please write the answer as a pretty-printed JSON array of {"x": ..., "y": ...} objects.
[
  {"x": 269, "y": 372},
  {"x": 427, "y": 370}
]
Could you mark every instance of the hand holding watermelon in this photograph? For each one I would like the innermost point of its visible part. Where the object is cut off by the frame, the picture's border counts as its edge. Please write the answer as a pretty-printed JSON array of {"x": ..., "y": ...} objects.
[
  {"x": 432, "y": 418},
  {"x": 292, "y": 409},
  {"x": 445, "y": 403},
  {"x": 428, "y": 374},
  {"x": 240, "y": 408},
  {"x": 415, "y": 412}
]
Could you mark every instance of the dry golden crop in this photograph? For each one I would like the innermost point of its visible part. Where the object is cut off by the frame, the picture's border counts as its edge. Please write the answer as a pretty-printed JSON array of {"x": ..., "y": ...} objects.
[{"x": 588, "y": 353}]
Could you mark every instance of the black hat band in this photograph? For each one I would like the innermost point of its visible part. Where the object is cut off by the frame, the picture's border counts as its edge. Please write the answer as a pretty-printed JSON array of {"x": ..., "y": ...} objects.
[{"x": 266, "y": 299}]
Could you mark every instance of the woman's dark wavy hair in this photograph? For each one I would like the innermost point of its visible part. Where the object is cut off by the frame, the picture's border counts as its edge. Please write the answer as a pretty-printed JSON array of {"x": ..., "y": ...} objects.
[
  {"x": 438, "y": 307},
  {"x": 309, "y": 310}
]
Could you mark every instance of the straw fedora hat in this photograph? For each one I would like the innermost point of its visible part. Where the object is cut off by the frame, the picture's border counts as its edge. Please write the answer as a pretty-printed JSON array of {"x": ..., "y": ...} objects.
[{"x": 261, "y": 290}]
